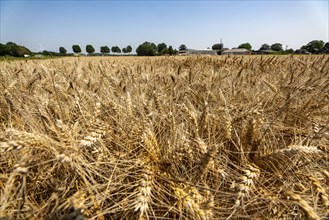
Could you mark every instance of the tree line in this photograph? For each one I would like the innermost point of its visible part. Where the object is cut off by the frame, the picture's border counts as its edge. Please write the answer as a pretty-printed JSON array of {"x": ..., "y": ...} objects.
[
  {"x": 151, "y": 49},
  {"x": 145, "y": 49},
  {"x": 313, "y": 47}
]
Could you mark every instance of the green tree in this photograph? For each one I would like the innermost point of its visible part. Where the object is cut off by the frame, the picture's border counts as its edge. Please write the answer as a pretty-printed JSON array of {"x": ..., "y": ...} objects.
[
  {"x": 62, "y": 50},
  {"x": 20, "y": 51},
  {"x": 314, "y": 46},
  {"x": 182, "y": 47},
  {"x": 129, "y": 49},
  {"x": 76, "y": 49},
  {"x": 289, "y": 51},
  {"x": 217, "y": 46},
  {"x": 12, "y": 49},
  {"x": 5, "y": 50},
  {"x": 90, "y": 48},
  {"x": 11, "y": 44},
  {"x": 265, "y": 47},
  {"x": 276, "y": 47},
  {"x": 146, "y": 49},
  {"x": 105, "y": 49},
  {"x": 325, "y": 48},
  {"x": 162, "y": 48},
  {"x": 170, "y": 50},
  {"x": 115, "y": 49},
  {"x": 245, "y": 46},
  {"x": 124, "y": 50}
]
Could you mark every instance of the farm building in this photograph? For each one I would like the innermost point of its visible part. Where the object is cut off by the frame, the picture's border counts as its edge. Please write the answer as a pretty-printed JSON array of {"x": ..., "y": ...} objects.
[
  {"x": 197, "y": 52},
  {"x": 241, "y": 51}
]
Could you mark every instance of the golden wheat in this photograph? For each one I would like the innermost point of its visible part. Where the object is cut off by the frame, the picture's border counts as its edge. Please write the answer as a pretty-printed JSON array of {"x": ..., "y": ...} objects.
[{"x": 233, "y": 137}]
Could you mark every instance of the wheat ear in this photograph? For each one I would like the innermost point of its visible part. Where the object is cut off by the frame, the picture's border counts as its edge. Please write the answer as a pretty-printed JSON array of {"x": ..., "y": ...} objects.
[
  {"x": 191, "y": 203},
  {"x": 303, "y": 204},
  {"x": 144, "y": 194},
  {"x": 247, "y": 182},
  {"x": 320, "y": 190}
]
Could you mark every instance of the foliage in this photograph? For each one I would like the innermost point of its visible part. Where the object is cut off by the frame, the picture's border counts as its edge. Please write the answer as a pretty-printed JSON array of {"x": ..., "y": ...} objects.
[
  {"x": 325, "y": 48},
  {"x": 217, "y": 46},
  {"x": 12, "y": 49},
  {"x": 105, "y": 49},
  {"x": 289, "y": 51},
  {"x": 50, "y": 53},
  {"x": 265, "y": 47},
  {"x": 76, "y": 48},
  {"x": 162, "y": 49},
  {"x": 245, "y": 46},
  {"x": 5, "y": 50},
  {"x": 182, "y": 47},
  {"x": 90, "y": 49},
  {"x": 146, "y": 49},
  {"x": 314, "y": 46},
  {"x": 116, "y": 49},
  {"x": 62, "y": 50},
  {"x": 276, "y": 47},
  {"x": 171, "y": 51},
  {"x": 129, "y": 49}
]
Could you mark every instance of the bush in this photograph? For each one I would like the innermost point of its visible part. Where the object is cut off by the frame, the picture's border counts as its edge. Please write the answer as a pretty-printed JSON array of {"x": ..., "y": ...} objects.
[{"x": 14, "y": 50}]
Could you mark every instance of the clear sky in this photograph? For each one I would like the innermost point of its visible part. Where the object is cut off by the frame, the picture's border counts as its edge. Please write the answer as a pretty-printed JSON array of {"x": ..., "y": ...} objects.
[{"x": 47, "y": 25}]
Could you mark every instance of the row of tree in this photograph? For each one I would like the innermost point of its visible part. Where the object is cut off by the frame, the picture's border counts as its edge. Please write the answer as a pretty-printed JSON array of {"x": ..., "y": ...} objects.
[
  {"x": 103, "y": 49},
  {"x": 145, "y": 49},
  {"x": 314, "y": 47},
  {"x": 151, "y": 49}
]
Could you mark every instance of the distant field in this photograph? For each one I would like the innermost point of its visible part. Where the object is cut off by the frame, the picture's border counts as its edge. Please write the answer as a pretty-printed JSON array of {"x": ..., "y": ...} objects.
[{"x": 240, "y": 137}]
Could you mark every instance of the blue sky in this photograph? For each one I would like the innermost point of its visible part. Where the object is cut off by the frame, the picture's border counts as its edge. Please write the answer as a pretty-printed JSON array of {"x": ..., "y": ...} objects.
[{"x": 47, "y": 25}]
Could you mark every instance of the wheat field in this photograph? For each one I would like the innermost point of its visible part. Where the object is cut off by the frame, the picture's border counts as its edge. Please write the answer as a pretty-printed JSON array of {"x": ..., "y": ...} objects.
[{"x": 227, "y": 137}]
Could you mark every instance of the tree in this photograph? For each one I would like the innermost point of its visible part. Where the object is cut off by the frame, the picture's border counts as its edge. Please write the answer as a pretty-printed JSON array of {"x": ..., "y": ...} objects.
[
  {"x": 105, "y": 49},
  {"x": 182, "y": 47},
  {"x": 171, "y": 50},
  {"x": 90, "y": 48},
  {"x": 265, "y": 47},
  {"x": 289, "y": 51},
  {"x": 146, "y": 49},
  {"x": 12, "y": 49},
  {"x": 217, "y": 46},
  {"x": 115, "y": 49},
  {"x": 162, "y": 48},
  {"x": 245, "y": 46},
  {"x": 314, "y": 46},
  {"x": 124, "y": 50},
  {"x": 276, "y": 47},
  {"x": 5, "y": 50},
  {"x": 129, "y": 49},
  {"x": 76, "y": 49},
  {"x": 325, "y": 48},
  {"x": 62, "y": 50}
]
